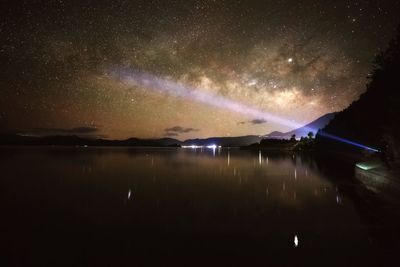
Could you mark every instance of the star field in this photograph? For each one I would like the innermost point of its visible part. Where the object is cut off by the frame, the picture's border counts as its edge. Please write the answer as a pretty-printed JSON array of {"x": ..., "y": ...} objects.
[{"x": 296, "y": 59}]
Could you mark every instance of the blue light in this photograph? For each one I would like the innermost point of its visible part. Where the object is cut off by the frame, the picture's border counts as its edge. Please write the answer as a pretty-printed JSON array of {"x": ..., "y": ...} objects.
[{"x": 346, "y": 141}]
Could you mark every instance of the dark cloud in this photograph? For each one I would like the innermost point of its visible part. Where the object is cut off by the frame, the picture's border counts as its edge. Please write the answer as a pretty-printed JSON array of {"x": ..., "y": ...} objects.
[
  {"x": 176, "y": 130},
  {"x": 258, "y": 121},
  {"x": 179, "y": 129},
  {"x": 254, "y": 121}
]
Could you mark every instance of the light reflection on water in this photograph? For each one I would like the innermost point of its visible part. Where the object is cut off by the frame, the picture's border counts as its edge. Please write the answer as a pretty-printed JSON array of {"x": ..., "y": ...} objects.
[{"x": 152, "y": 199}]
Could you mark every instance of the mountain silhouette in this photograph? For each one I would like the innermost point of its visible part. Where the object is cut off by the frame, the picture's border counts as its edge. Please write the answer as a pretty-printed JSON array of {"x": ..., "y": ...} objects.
[
  {"x": 74, "y": 140},
  {"x": 237, "y": 141},
  {"x": 313, "y": 126},
  {"x": 225, "y": 141}
]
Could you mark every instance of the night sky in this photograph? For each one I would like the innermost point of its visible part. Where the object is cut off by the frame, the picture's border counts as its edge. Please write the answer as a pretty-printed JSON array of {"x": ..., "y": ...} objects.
[{"x": 77, "y": 67}]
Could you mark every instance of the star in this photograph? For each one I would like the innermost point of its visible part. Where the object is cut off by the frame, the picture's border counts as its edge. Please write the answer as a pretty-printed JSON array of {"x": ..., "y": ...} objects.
[{"x": 68, "y": 64}]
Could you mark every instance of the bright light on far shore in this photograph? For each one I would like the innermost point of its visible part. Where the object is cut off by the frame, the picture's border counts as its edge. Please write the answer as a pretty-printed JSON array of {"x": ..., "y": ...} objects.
[
  {"x": 192, "y": 146},
  {"x": 208, "y": 146}
]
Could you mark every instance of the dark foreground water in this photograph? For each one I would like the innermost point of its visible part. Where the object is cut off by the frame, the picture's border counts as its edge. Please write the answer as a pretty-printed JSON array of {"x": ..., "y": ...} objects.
[{"x": 136, "y": 207}]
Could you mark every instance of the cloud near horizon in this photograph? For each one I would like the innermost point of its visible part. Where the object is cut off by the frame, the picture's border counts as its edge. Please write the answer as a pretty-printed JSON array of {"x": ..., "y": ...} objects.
[
  {"x": 177, "y": 130},
  {"x": 254, "y": 122}
]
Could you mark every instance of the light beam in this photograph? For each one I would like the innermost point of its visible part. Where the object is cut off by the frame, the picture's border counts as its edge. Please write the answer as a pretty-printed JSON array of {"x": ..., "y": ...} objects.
[{"x": 142, "y": 79}]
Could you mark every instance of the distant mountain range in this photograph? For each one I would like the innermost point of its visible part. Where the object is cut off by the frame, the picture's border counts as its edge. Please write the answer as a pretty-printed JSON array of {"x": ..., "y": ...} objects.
[
  {"x": 313, "y": 126},
  {"x": 225, "y": 141},
  {"x": 74, "y": 140}
]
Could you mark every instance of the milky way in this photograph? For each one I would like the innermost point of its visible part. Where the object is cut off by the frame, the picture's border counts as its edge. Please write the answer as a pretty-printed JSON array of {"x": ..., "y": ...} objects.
[{"x": 296, "y": 60}]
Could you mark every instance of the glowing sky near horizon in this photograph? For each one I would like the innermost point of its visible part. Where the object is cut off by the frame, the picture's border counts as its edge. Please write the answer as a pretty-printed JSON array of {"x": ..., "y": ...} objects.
[{"x": 296, "y": 60}]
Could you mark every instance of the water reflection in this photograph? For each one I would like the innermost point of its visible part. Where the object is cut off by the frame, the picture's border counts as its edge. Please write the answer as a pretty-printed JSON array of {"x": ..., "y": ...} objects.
[{"x": 186, "y": 201}]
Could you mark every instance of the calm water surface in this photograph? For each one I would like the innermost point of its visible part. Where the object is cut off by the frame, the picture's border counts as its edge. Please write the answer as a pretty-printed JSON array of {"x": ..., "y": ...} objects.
[{"x": 135, "y": 207}]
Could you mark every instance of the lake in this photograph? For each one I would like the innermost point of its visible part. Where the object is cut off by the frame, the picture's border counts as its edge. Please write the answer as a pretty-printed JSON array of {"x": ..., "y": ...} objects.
[{"x": 172, "y": 206}]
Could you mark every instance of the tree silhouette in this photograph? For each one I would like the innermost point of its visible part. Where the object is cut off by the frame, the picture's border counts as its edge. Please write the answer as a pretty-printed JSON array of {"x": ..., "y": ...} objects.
[{"x": 376, "y": 114}]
